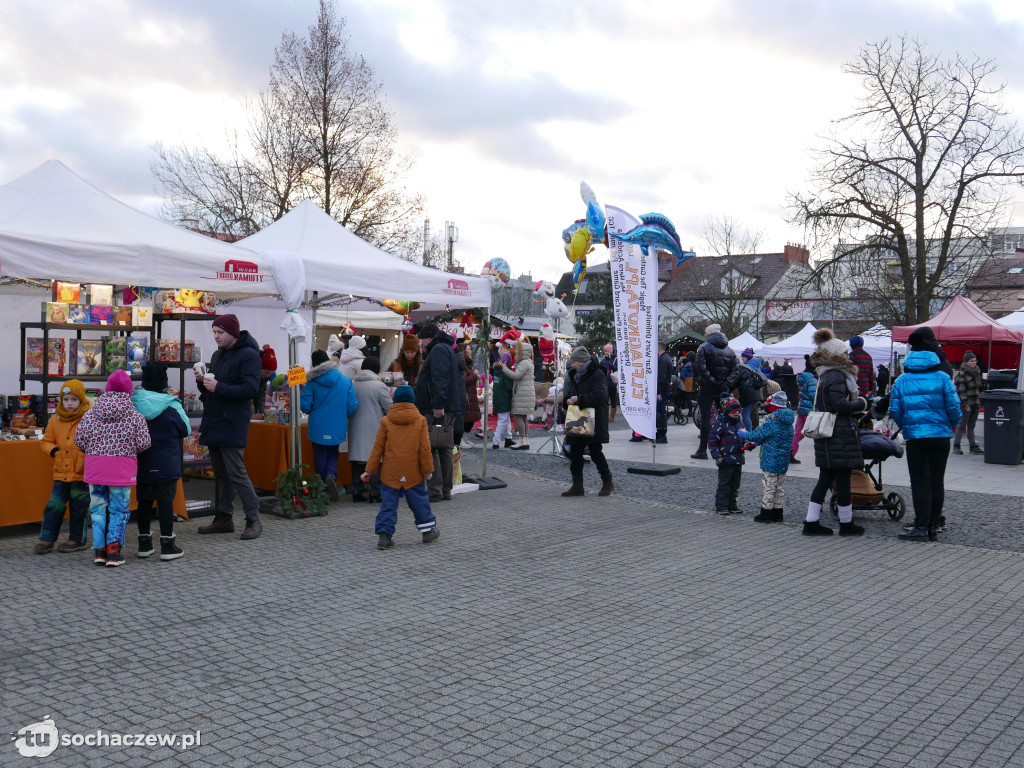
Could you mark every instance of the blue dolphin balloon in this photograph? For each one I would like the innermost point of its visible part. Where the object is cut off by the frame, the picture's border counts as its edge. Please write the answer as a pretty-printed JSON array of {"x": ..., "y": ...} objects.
[{"x": 656, "y": 231}]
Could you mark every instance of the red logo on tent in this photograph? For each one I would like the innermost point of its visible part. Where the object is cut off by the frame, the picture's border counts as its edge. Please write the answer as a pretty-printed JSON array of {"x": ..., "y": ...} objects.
[
  {"x": 240, "y": 271},
  {"x": 458, "y": 287},
  {"x": 234, "y": 265}
]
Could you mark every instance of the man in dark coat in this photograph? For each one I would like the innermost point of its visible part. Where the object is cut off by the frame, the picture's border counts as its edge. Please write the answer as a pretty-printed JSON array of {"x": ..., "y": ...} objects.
[
  {"x": 227, "y": 391},
  {"x": 585, "y": 387},
  {"x": 610, "y": 364},
  {"x": 865, "y": 366},
  {"x": 712, "y": 366},
  {"x": 440, "y": 387},
  {"x": 664, "y": 393}
]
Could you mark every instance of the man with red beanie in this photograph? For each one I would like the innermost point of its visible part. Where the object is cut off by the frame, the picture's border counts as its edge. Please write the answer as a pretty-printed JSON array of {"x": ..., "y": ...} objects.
[
  {"x": 268, "y": 367},
  {"x": 227, "y": 390}
]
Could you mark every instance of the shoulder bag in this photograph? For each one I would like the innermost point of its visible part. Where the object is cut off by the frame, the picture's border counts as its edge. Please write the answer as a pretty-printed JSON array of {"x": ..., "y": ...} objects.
[{"x": 819, "y": 425}]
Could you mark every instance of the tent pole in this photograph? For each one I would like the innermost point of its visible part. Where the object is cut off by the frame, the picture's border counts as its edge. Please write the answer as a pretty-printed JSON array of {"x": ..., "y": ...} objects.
[{"x": 293, "y": 403}]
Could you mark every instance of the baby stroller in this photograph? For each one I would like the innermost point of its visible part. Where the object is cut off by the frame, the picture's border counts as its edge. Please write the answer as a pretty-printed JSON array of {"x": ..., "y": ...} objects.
[{"x": 866, "y": 487}]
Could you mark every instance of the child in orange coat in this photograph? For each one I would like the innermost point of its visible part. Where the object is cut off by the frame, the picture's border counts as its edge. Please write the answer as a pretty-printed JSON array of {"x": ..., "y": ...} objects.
[
  {"x": 401, "y": 455},
  {"x": 69, "y": 486}
]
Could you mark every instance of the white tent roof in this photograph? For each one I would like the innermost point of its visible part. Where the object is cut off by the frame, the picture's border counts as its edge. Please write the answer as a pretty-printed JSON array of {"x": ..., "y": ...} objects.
[
  {"x": 337, "y": 261},
  {"x": 54, "y": 224},
  {"x": 796, "y": 346},
  {"x": 744, "y": 340},
  {"x": 1014, "y": 320}
]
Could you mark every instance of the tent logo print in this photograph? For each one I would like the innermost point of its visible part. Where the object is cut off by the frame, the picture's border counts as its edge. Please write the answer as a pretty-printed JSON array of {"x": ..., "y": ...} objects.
[
  {"x": 457, "y": 287},
  {"x": 240, "y": 271}
]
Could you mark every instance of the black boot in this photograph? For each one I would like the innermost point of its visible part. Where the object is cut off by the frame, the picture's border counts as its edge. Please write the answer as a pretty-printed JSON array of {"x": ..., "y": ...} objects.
[
  {"x": 764, "y": 516},
  {"x": 777, "y": 515},
  {"x": 168, "y": 549},
  {"x": 606, "y": 487},
  {"x": 576, "y": 489},
  {"x": 851, "y": 529},
  {"x": 816, "y": 529},
  {"x": 145, "y": 545}
]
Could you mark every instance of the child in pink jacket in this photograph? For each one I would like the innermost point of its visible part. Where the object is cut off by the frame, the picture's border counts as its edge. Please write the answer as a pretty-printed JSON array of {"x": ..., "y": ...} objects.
[{"x": 111, "y": 434}]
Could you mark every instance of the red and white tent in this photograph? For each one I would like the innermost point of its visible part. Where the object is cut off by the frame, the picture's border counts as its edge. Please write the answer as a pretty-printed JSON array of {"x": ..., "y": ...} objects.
[{"x": 963, "y": 326}]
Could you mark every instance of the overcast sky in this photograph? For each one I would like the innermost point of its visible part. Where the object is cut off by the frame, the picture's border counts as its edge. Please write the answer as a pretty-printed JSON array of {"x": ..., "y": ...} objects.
[{"x": 692, "y": 109}]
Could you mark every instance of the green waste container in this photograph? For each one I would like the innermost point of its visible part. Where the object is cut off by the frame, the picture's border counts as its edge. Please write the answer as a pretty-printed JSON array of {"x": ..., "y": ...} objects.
[{"x": 1004, "y": 426}]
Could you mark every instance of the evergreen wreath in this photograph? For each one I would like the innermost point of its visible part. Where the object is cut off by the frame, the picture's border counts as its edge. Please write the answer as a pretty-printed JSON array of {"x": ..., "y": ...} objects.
[{"x": 301, "y": 496}]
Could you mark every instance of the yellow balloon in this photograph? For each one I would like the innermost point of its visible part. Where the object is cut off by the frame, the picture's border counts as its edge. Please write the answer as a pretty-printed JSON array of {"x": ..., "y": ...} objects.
[{"x": 579, "y": 245}]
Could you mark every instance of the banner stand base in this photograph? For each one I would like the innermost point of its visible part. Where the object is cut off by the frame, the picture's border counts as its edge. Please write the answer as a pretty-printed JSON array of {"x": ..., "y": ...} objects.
[
  {"x": 658, "y": 470},
  {"x": 486, "y": 483}
]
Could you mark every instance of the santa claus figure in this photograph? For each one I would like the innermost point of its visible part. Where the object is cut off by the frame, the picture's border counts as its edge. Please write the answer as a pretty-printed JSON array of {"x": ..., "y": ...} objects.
[{"x": 546, "y": 344}]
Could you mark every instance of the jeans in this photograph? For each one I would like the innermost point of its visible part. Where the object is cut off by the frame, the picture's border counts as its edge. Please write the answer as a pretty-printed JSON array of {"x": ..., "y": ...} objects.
[
  {"x": 162, "y": 495},
  {"x": 108, "y": 507},
  {"x": 576, "y": 449},
  {"x": 325, "y": 460},
  {"x": 415, "y": 497},
  {"x": 967, "y": 421},
  {"x": 229, "y": 469},
  {"x": 729, "y": 476},
  {"x": 74, "y": 495},
  {"x": 840, "y": 478},
  {"x": 661, "y": 417},
  {"x": 747, "y": 410},
  {"x": 926, "y": 461}
]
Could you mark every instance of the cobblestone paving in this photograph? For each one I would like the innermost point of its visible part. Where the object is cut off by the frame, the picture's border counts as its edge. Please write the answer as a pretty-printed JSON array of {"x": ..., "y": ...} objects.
[{"x": 633, "y": 630}]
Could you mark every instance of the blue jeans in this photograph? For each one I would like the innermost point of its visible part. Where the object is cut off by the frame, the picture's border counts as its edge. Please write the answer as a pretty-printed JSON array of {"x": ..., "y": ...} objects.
[
  {"x": 109, "y": 509},
  {"x": 747, "y": 410},
  {"x": 416, "y": 497},
  {"x": 73, "y": 494}
]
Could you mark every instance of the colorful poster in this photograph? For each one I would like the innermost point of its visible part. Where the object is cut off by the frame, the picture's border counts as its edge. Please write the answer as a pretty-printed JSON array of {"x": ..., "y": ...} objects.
[{"x": 635, "y": 301}]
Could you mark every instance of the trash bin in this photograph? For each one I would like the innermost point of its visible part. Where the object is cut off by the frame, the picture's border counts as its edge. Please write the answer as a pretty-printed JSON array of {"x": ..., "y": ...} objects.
[
  {"x": 1002, "y": 379},
  {"x": 1004, "y": 426}
]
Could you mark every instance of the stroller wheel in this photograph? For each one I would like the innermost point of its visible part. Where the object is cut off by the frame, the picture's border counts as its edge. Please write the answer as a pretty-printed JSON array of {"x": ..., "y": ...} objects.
[{"x": 895, "y": 505}]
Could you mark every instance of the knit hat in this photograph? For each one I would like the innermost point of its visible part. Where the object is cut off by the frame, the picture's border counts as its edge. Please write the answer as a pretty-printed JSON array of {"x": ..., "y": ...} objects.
[
  {"x": 76, "y": 388},
  {"x": 404, "y": 394},
  {"x": 371, "y": 364},
  {"x": 427, "y": 331},
  {"x": 334, "y": 345},
  {"x": 228, "y": 324},
  {"x": 748, "y": 353},
  {"x": 579, "y": 355},
  {"x": 119, "y": 381},
  {"x": 923, "y": 338},
  {"x": 268, "y": 359},
  {"x": 154, "y": 377},
  {"x": 410, "y": 343},
  {"x": 357, "y": 342},
  {"x": 968, "y": 356},
  {"x": 731, "y": 404},
  {"x": 319, "y": 357},
  {"x": 827, "y": 341},
  {"x": 778, "y": 400},
  {"x": 856, "y": 342},
  {"x": 713, "y": 328}
]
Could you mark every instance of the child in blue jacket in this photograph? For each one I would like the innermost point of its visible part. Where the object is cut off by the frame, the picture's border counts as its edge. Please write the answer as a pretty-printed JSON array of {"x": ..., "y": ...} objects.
[
  {"x": 727, "y": 451},
  {"x": 775, "y": 436}
]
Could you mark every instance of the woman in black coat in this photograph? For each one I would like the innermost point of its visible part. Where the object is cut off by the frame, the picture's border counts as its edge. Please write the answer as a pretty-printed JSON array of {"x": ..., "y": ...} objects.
[
  {"x": 837, "y": 455},
  {"x": 586, "y": 387}
]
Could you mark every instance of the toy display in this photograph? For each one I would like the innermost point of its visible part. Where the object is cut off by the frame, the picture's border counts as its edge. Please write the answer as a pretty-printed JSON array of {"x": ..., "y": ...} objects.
[
  {"x": 78, "y": 314},
  {"x": 115, "y": 354},
  {"x": 87, "y": 357},
  {"x": 55, "y": 312},
  {"x": 34, "y": 355},
  {"x": 142, "y": 316},
  {"x": 101, "y": 314},
  {"x": 69, "y": 293},
  {"x": 55, "y": 357},
  {"x": 101, "y": 294}
]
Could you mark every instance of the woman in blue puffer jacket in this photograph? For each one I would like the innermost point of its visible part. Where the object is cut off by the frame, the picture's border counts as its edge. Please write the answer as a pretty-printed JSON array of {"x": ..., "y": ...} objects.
[
  {"x": 925, "y": 404},
  {"x": 807, "y": 381}
]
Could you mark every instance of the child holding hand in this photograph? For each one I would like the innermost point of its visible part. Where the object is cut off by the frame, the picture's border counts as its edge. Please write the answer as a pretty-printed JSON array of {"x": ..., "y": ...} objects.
[
  {"x": 401, "y": 455},
  {"x": 69, "y": 486},
  {"x": 727, "y": 451},
  {"x": 775, "y": 436}
]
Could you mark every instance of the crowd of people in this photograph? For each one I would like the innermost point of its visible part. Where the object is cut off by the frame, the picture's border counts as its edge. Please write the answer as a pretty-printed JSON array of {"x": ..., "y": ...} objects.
[{"x": 402, "y": 444}]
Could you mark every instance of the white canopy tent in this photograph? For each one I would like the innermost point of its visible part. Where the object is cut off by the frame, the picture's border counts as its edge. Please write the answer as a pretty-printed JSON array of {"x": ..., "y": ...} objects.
[
  {"x": 794, "y": 347},
  {"x": 744, "y": 340},
  {"x": 1014, "y": 320}
]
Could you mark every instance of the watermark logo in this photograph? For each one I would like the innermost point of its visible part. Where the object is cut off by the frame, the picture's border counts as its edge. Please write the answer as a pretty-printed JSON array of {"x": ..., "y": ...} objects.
[
  {"x": 457, "y": 287},
  {"x": 240, "y": 271},
  {"x": 37, "y": 740}
]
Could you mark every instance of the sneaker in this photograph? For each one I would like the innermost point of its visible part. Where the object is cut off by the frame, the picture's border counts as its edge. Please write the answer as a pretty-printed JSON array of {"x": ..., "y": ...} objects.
[
  {"x": 957, "y": 450},
  {"x": 429, "y": 537},
  {"x": 100, "y": 556},
  {"x": 384, "y": 541},
  {"x": 521, "y": 447},
  {"x": 977, "y": 450},
  {"x": 722, "y": 512},
  {"x": 114, "y": 556},
  {"x": 43, "y": 547},
  {"x": 72, "y": 546},
  {"x": 253, "y": 529},
  {"x": 735, "y": 511},
  {"x": 637, "y": 439},
  {"x": 914, "y": 534},
  {"x": 699, "y": 455},
  {"x": 332, "y": 488},
  {"x": 168, "y": 549},
  {"x": 145, "y": 546}
]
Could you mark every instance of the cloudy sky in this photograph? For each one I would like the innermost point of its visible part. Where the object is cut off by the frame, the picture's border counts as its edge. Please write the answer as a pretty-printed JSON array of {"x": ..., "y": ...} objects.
[{"x": 693, "y": 109}]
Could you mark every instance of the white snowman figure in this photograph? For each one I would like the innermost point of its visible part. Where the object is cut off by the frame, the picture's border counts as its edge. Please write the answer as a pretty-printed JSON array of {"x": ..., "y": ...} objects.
[{"x": 553, "y": 306}]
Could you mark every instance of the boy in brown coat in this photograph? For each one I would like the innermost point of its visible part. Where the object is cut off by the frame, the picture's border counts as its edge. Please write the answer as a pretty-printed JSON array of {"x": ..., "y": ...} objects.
[{"x": 401, "y": 454}]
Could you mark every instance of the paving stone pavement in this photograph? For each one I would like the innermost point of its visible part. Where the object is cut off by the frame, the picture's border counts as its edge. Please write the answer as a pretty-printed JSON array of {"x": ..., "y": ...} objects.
[{"x": 539, "y": 631}]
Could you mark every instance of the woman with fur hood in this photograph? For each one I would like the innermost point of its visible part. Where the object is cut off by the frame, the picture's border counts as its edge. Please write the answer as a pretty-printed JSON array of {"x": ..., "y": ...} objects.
[
  {"x": 835, "y": 456},
  {"x": 524, "y": 392},
  {"x": 329, "y": 398}
]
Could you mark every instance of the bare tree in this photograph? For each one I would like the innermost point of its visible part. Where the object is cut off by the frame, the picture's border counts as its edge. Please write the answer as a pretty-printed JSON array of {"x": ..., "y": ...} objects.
[
  {"x": 319, "y": 130},
  {"x": 906, "y": 196}
]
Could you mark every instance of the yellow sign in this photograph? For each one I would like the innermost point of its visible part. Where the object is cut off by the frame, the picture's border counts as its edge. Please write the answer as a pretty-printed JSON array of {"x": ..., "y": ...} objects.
[{"x": 296, "y": 376}]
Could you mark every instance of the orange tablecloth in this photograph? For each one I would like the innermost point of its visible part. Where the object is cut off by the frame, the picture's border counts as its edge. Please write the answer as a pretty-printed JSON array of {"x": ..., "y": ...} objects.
[
  {"x": 268, "y": 450},
  {"x": 26, "y": 474}
]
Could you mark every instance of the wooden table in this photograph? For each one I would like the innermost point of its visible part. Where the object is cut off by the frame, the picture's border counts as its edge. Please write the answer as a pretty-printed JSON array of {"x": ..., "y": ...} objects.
[
  {"x": 268, "y": 450},
  {"x": 26, "y": 475}
]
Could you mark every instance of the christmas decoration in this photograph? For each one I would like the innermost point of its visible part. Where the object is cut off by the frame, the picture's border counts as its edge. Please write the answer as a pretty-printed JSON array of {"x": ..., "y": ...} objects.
[{"x": 301, "y": 495}]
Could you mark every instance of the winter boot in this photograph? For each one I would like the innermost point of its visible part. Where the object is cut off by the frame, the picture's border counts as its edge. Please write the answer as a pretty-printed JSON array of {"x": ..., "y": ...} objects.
[
  {"x": 384, "y": 541},
  {"x": 220, "y": 524},
  {"x": 100, "y": 556},
  {"x": 114, "y": 556},
  {"x": 765, "y": 516},
  {"x": 606, "y": 486},
  {"x": 816, "y": 529},
  {"x": 168, "y": 549},
  {"x": 145, "y": 545},
  {"x": 576, "y": 489},
  {"x": 851, "y": 529},
  {"x": 429, "y": 537},
  {"x": 777, "y": 515}
]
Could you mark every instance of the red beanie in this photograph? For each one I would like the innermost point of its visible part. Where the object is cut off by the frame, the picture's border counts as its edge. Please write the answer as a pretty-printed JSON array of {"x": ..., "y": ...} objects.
[
  {"x": 229, "y": 324},
  {"x": 119, "y": 381},
  {"x": 268, "y": 359}
]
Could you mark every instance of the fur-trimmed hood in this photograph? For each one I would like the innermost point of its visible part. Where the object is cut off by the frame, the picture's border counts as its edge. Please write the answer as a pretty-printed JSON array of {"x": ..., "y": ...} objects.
[
  {"x": 319, "y": 370},
  {"x": 824, "y": 361}
]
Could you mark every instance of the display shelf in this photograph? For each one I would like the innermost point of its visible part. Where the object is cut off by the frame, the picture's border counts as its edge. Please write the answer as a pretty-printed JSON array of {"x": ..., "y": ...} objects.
[
  {"x": 86, "y": 327},
  {"x": 51, "y": 377},
  {"x": 183, "y": 316}
]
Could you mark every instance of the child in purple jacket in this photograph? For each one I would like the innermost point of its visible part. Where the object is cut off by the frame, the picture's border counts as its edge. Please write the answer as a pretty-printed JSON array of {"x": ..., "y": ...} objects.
[
  {"x": 111, "y": 434},
  {"x": 727, "y": 451}
]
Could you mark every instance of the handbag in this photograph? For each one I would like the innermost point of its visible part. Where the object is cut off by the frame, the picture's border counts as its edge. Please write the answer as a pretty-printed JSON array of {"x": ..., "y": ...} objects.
[
  {"x": 819, "y": 425},
  {"x": 581, "y": 422},
  {"x": 442, "y": 434}
]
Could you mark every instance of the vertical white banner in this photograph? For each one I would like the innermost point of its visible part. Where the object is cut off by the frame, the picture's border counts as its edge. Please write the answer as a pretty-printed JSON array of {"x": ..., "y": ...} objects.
[{"x": 635, "y": 300}]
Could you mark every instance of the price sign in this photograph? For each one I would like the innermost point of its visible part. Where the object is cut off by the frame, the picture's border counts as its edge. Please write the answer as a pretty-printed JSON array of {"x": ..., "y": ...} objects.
[{"x": 296, "y": 376}]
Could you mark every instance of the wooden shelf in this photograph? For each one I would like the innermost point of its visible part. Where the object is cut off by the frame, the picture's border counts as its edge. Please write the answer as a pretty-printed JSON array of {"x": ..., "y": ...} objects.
[{"x": 83, "y": 327}]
